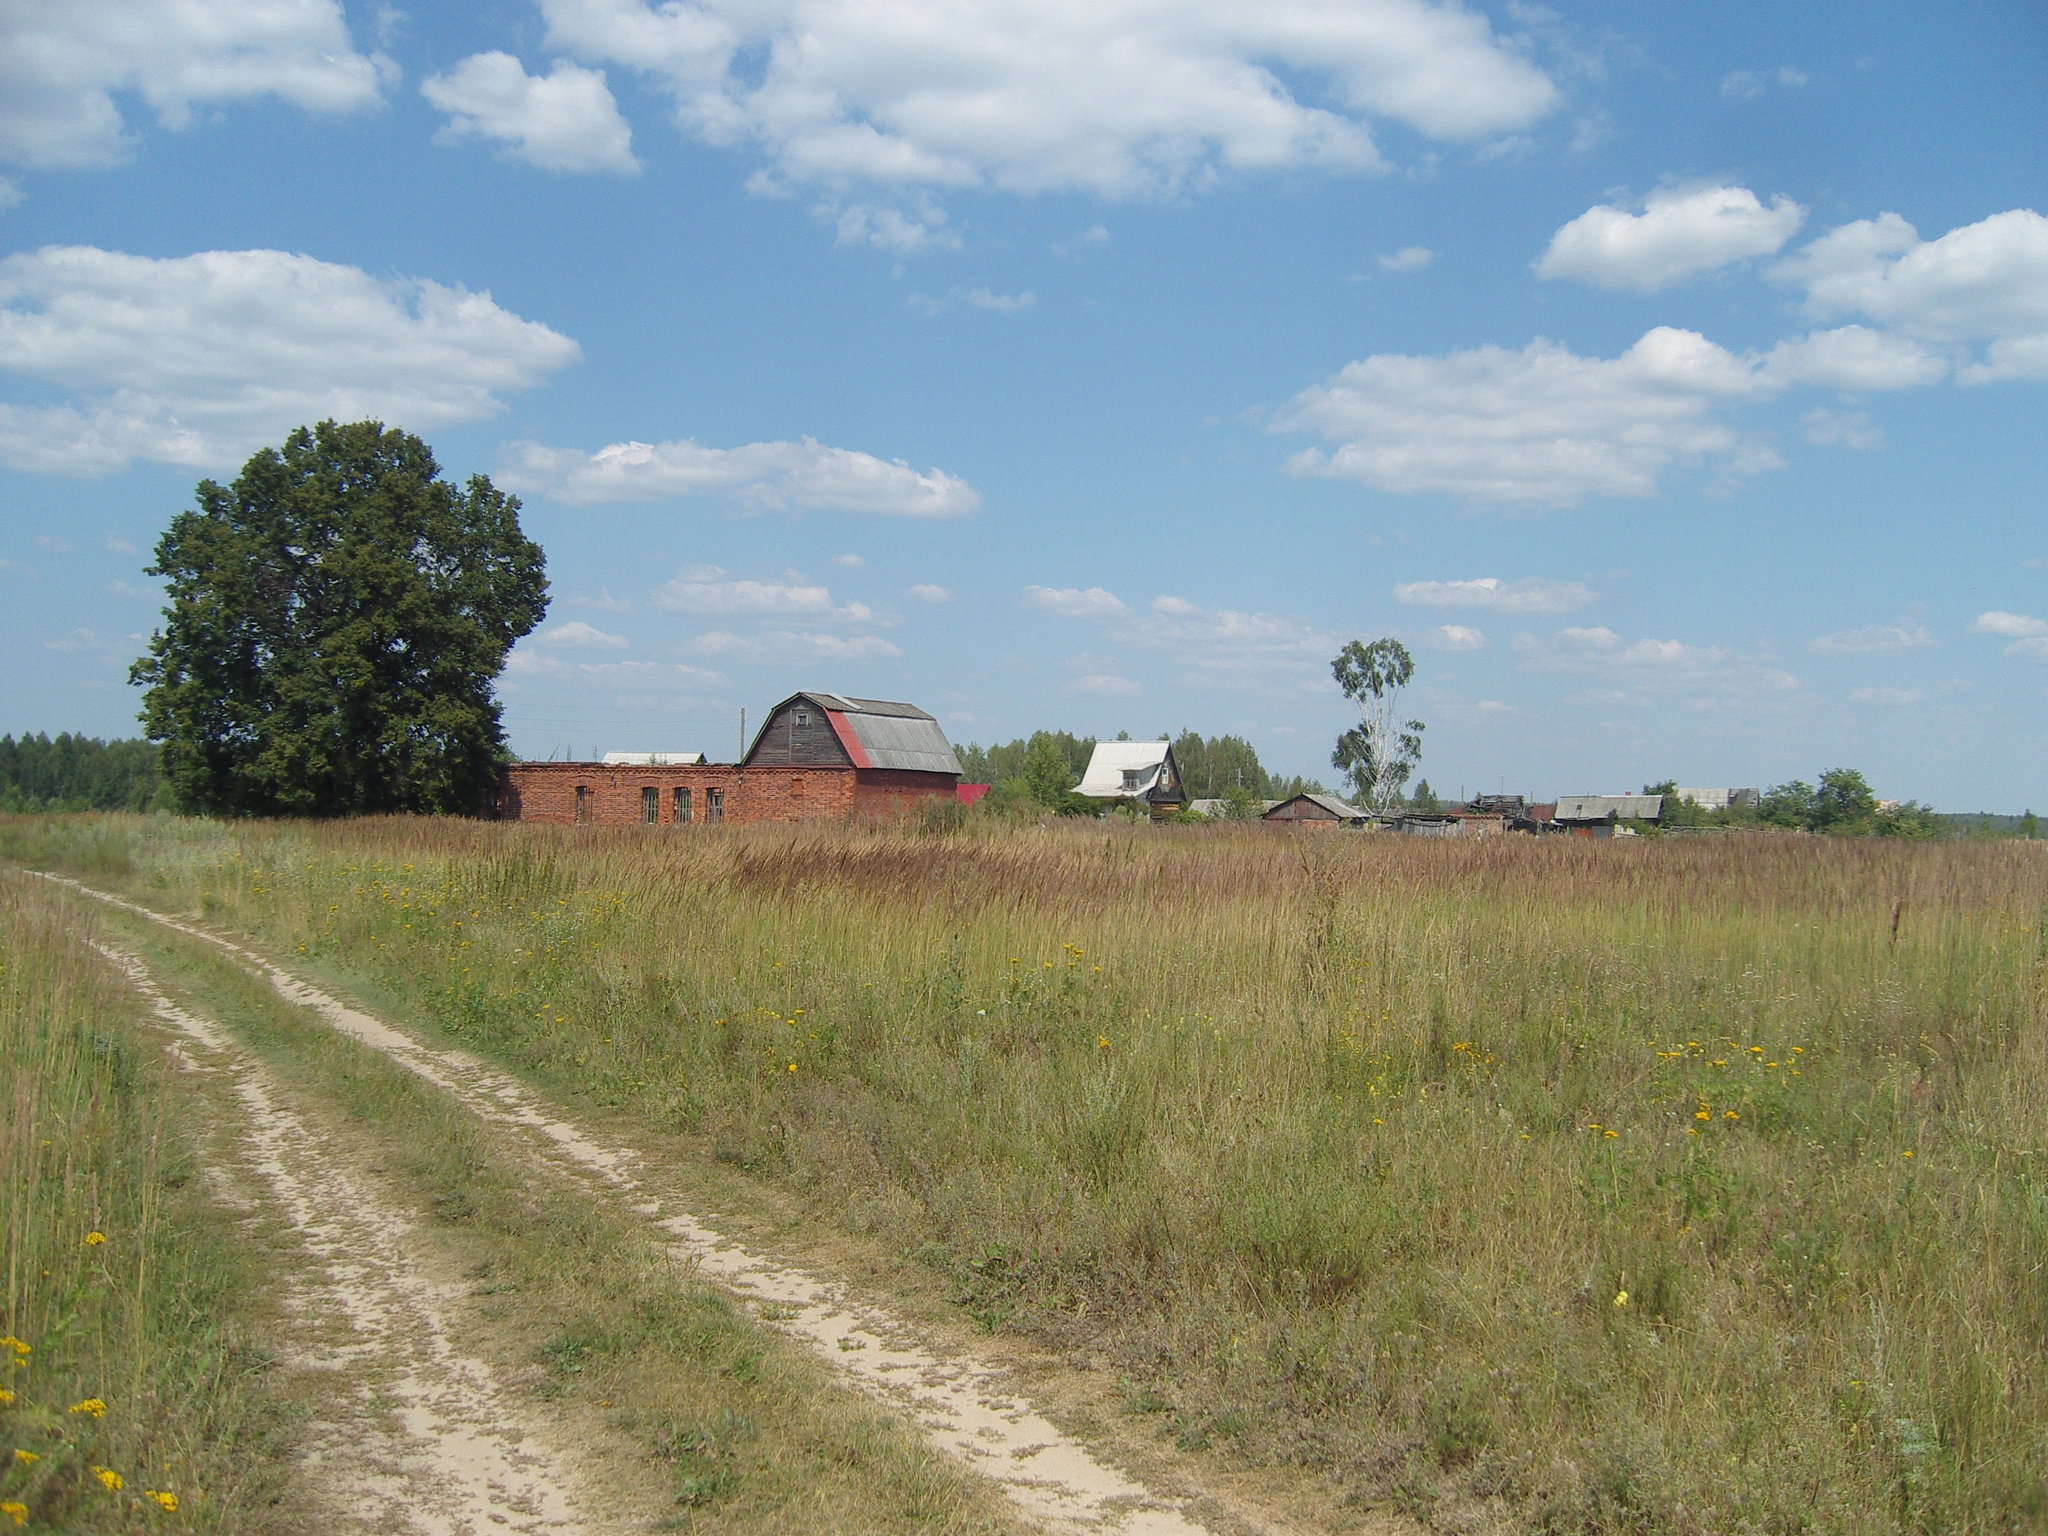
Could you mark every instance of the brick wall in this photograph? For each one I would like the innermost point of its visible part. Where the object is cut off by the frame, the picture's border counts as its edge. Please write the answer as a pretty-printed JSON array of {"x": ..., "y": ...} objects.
[{"x": 614, "y": 793}]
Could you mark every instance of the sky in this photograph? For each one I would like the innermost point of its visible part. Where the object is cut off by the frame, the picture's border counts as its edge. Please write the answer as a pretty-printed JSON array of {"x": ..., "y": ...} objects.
[{"x": 1670, "y": 379}]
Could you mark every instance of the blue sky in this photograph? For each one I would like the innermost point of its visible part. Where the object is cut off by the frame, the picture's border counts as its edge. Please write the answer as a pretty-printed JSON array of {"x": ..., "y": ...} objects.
[{"x": 1672, "y": 379}]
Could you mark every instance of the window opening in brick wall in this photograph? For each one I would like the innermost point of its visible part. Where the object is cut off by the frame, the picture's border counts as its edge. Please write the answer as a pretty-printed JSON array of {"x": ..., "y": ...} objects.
[
  {"x": 714, "y": 806},
  {"x": 650, "y": 804},
  {"x": 582, "y": 802},
  {"x": 683, "y": 807}
]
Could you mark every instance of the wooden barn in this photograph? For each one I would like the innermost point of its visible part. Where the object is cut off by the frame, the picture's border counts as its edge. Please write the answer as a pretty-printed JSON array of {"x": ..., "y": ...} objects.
[
  {"x": 819, "y": 756},
  {"x": 1313, "y": 810}
]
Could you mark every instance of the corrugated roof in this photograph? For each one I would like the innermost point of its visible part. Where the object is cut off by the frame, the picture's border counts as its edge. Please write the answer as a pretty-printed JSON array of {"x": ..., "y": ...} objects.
[
  {"x": 1330, "y": 803},
  {"x": 1600, "y": 807},
  {"x": 901, "y": 738},
  {"x": 1112, "y": 760}
]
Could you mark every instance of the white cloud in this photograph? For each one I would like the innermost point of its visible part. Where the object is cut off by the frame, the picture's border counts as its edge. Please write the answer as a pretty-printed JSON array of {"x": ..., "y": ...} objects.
[
  {"x": 1840, "y": 429},
  {"x": 1001, "y": 303},
  {"x": 848, "y": 562},
  {"x": 2029, "y": 636},
  {"x": 709, "y": 593},
  {"x": 1853, "y": 357},
  {"x": 1638, "y": 669},
  {"x": 115, "y": 544},
  {"x": 1985, "y": 283},
  {"x": 10, "y": 193},
  {"x": 1075, "y": 602},
  {"x": 775, "y": 476},
  {"x": 1900, "y": 635},
  {"x": 65, "y": 66},
  {"x": 1459, "y": 637},
  {"x": 783, "y": 645},
  {"x": 2013, "y": 626},
  {"x": 925, "y": 592},
  {"x": 1104, "y": 685},
  {"x": 583, "y": 636},
  {"x": 197, "y": 360},
  {"x": 626, "y": 677},
  {"x": 890, "y": 229},
  {"x": 1539, "y": 425},
  {"x": 1119, "y": 98},
  {"x": 1679, "y": 234},
  {"x": 1890, "y": 696},
  {"x": 1532, "y": 594},
  {"x": 563, "y": 121},
  {"x": 1411, "y": 258}
]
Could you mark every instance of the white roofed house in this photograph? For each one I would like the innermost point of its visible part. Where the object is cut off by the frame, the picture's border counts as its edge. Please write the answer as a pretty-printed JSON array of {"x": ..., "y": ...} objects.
[{"x": 1138, "y": 773}]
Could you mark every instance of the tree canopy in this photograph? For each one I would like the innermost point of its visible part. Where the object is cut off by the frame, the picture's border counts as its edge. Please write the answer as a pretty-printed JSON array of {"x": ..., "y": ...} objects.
[
  {"x": 77, "y": 773},
  {"x": 1379, "y": 752},
  {"x": 336, "y": 619}
]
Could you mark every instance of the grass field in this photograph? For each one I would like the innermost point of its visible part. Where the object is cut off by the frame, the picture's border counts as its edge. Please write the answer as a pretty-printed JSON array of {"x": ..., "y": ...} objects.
[
  {"x": 1657, "y": 1186},
  {"x": 129, "y": 1396}
]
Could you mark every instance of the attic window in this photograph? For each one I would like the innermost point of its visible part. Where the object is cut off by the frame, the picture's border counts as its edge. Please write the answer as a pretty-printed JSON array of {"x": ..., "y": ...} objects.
[
  {"x": 1132, "y": 777},
  {"x": 803, "y": 717}
]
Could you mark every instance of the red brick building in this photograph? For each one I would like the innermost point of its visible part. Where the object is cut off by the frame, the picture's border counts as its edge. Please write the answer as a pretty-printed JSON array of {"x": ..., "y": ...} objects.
[{"x": 818, "y": 757}]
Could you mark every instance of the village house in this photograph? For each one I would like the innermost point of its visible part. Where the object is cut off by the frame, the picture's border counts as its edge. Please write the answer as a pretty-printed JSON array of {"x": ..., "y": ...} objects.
[
  {"x": 1314, "y": 811},
  {"x": 818, "y": 756},
  {"x": 1138, "y": 773},
  {"x": 1605, "y": 815}
]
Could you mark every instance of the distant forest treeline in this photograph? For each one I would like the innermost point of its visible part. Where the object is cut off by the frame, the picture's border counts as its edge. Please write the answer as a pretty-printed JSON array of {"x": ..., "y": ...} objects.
[{"x": 78, "y": 773}]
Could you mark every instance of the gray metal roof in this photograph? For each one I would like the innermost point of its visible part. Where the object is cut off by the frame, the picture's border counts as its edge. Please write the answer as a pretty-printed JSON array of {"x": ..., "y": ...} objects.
[
  {"x": 1330, "y": 803},
  {"x": 1600, "y": 807},
  {"x": 892, "y": 735}
]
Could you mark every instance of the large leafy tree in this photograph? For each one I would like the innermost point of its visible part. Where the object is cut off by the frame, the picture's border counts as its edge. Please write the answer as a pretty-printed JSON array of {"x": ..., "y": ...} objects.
[
  {"x": 1379, "y": 752},
  {"x": 336, "y": 619}
]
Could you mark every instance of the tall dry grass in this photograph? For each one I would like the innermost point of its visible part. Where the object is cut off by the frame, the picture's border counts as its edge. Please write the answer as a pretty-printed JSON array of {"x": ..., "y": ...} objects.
[
  {"x": 127, "y": 1399},
  {"x": 1669, "y": 1186}
]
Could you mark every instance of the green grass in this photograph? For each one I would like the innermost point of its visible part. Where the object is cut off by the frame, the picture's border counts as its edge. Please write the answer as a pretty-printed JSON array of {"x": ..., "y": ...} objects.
[
  {"x": 128, "y": 1370},
  {"x": 1680, "y": 1186}
]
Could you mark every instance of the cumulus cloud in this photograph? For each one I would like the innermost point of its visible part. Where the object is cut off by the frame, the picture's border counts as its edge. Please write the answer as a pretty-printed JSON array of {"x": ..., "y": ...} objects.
[
  {"x": 848, "y": 562},
  {"x": 1120, "y": 98},
  {"x": 775, "y": 476},
  {"x": 709, "y": 592},
  {"x": 1532, "y": 594},
  {"x": 1679, "y": 234},
  {"x": 1225, "y": 647},
  {"x": 1984, "y": 285},
  {"x": 1411, "y": 258},
  {"x": 925, "y": 592},
  {"x": 1539, "y": 425},
  {"x": 1458, "y": 637},
  {"x": 777, "y": 646},
  {"x": 1840, "y": 429},
  {"x": 563, "y": 121},
  {"x": 1075, "y": 602},
  {"x": 1639, "y": 669},
  {"x": 1001, "y": 303},
  {"x": 2029, "y": 636},
  {"x": 1900, "y": 635},
  {"x": 1853, "y": 357},
  {"x": 578, "y": 634},
  {"x": 197, "y": 360},
  {"x": 65, "y": 68}
]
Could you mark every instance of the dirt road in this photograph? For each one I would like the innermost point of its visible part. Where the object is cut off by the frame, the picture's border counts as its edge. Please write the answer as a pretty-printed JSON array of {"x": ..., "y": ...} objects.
[{"x": 469, "y": 1457}]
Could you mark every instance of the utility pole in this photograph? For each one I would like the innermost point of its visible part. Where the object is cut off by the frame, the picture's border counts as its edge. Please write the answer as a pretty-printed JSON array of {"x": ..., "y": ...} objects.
[{"x": 743, "y": 735}]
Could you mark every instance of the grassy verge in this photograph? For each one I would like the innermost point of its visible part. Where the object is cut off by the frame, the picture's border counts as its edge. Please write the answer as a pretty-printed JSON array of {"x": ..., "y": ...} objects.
[
  {"x": 705, "y": 1421},
  {"x": 1678, "y": 1187},
  {"x": 131, "y": 1395}
]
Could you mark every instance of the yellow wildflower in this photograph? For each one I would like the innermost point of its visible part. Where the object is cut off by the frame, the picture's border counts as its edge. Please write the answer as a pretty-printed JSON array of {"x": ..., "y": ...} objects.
[
  {"x": 94, "y": 1239},
  {"x": 1703, "y": 1113},
  {"x": 16, "y": 1511},
  {"x": 1729, "y": 1114},
  {"x": 6, "y": 1398},
  {"x": 1102, "y": 1042},
  {"x": 27, "y": 1458},
  {"x": 1610, "y": 1133},
  {"x": 165, "y": 1499},
  {"x": 792, "y": 1066},
  {"x": 1621, "y": 1298},
  {"x": 109, "y": 1478},
  {"x": 11, "y": 1342},
  {"x": 91, "y": 1406}
]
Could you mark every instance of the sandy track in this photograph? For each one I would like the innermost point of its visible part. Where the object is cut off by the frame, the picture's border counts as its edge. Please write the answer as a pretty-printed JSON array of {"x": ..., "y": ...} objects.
[
  {"x": 967, "y": 1407},
  {"x": 457, "y": 1455}
]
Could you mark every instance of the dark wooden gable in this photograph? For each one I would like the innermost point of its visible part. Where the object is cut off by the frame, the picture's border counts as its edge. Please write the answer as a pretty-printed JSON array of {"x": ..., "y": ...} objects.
[{"x": 798, "y": 735}]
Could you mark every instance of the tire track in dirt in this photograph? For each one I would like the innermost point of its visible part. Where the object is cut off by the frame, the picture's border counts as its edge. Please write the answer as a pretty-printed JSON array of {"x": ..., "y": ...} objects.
[
  {"x": 462, "y": 1459},
  {"x": 965, "y": 1406}
]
